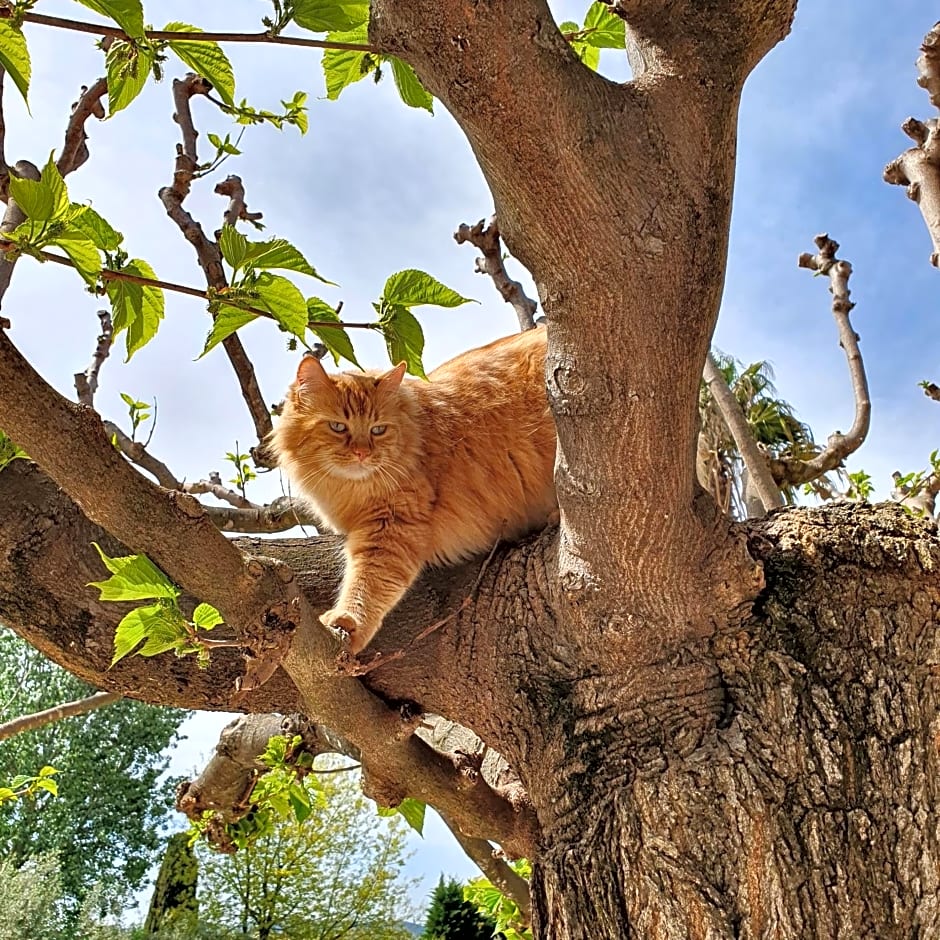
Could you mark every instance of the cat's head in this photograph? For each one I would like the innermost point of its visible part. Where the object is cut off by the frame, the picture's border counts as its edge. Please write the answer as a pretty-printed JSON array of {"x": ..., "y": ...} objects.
[{"x": 354, "y": 426}]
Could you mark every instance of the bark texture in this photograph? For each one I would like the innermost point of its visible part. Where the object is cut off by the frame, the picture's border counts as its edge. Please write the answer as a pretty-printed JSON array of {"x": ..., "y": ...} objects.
[{"x": 797, "y": 798}]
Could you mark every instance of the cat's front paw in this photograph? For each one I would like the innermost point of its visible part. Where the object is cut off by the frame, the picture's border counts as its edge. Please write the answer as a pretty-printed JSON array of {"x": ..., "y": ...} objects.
[{"x": 357, "y": 633}]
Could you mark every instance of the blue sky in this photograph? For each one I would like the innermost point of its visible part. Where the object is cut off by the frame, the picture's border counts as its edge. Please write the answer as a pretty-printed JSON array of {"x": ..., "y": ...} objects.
[{"x": 375, "y": 187}]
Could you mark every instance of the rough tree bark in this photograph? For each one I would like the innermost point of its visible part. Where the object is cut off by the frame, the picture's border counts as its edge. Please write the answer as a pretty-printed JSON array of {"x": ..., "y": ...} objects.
[{"x": 722, "y": 731}]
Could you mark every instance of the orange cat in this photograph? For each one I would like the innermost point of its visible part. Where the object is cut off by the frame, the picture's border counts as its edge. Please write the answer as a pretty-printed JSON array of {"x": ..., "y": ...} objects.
[{"x": 415, "y": 472}]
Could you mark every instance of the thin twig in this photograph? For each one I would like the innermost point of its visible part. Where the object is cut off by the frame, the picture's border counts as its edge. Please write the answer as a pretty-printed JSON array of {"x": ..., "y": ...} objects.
[
  {"x": 233, "y": 187},
  {"x": 792, "y": 470},
  {"x": 74, "y": 150},
  {"x": 107, "y": 275},
  {"x": 487, "y": 240},
  {"x": 207, "y": 251},
  {"x": 95, "y": 29},
  {"x": 335, "y": 770},
  {"x": 736, "y": 422},
  {"x": 4, "y": 169},
  {"x": 919, "y": 167},
  {"x": 138, "y": 454},
  {"x": 279, "y": 515},
  {"x": 214, "y": 487},
  {"x": 86, "y": 383}
]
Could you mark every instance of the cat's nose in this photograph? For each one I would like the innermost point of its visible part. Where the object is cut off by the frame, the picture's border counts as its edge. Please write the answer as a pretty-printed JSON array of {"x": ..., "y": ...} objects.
[{"x": 361, "y": 452}]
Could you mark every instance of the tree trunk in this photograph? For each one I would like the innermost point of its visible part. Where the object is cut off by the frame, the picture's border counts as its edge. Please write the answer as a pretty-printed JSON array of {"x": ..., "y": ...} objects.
[{"x": 794, "y": 794}]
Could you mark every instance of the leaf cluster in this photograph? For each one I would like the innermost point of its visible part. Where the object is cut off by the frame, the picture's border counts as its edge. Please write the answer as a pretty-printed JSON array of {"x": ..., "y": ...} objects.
[
  {"x": 29, "y": 787},
  {"x": 157, "y": 627}
]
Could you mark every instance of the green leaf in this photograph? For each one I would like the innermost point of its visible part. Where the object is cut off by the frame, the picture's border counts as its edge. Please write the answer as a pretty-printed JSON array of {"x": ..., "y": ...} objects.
[
  {"x": 279, "y": 253},
  {"x": 128, "y": 14},
  {"x": 343, "y": 67},
  {"x": 227, "y": 322},
  {"x": 45, "y": 199},
  {"x": 412, "y": 810},
  {"x": 48, "y": 771},
  {"x": 205, "y": 58},
  {"x": 95, "y": 228},
  {"x": 409, "y": 86},
  {"x": 300, "y": 803},
  {"x": 325, "y": 15},
  {"x": 404, "y": 338},
  {"x": 33, "y": 197},
  {"x": 283, "y": 301},
  {"x": 412, "y": 288},
  {"x": 233, "y": 245},
  {"x": 52, "y": 178},
  {"x": 128, "y": 68},
  {"x": 133, "y": 578},
  {"x": 9, "y": 451},
  {"x": 336, "y": 339},
  {"x": 49, "y": 786},
  {"x": 205, "y": 616},
  {"x": 14, "y": 57},
  {"x": 82, "y": 251},
  {"x": 603, "y": 29},
  {"x": 588, "y": 54},
  {"x": 137, "y": 308},
  {"x": 151, "y": 624}
]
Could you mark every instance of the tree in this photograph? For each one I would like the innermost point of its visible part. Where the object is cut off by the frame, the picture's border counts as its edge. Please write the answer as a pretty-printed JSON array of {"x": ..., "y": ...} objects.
[
  {"x": 173, "y": 904},
  {"x": 337, "y": 875},
  {"x": 450, "y": 917},
  {"x": 104, "y": 825},
  {"x": 715, "y": 729}
]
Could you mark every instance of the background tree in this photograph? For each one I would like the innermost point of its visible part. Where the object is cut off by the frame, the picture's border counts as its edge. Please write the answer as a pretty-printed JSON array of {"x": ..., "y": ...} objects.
[
  {"x": 104, "y": 825},
  {"x": 450, "y": 917},
  {"x": 337, "y": 875},
  {"x": 705, "y": 728},
  {"x": 174, "y": 904}
]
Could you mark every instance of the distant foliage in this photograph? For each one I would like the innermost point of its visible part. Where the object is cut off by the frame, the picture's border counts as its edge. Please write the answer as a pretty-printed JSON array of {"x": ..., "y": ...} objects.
[
  {"x": 105, "y": 822},
  {"x": 335, "y": 874},
  {"x": 451, "y": 917}
]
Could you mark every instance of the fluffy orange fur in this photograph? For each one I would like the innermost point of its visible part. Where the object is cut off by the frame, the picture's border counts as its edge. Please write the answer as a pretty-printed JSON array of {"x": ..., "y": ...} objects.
[{"x": 416, "y": 473}]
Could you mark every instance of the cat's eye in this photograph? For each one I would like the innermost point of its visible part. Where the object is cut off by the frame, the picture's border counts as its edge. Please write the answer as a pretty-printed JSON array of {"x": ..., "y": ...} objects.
[
  {"x": 337, "y": 426},
  {"x": 379, "y": 430}
]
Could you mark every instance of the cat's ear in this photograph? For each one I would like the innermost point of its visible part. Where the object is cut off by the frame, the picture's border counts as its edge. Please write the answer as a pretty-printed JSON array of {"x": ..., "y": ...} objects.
[
  {"x": 311, "y": 376},
  {"x": 389, "y": 381}
]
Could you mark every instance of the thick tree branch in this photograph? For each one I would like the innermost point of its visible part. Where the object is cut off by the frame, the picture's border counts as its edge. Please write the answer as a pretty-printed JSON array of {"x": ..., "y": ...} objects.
[
  {"x": 225, "y": 783},
  {"x": 919, "y": 168},
  {"x": 485, "y": 237},
  {"x": 793, "y": 470},
  {"x": 95, "y": 29},
  {"x": 259, "y": 598},
  {"x": 48, "y": 716},
  {"x": 755, "y": 462}
]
